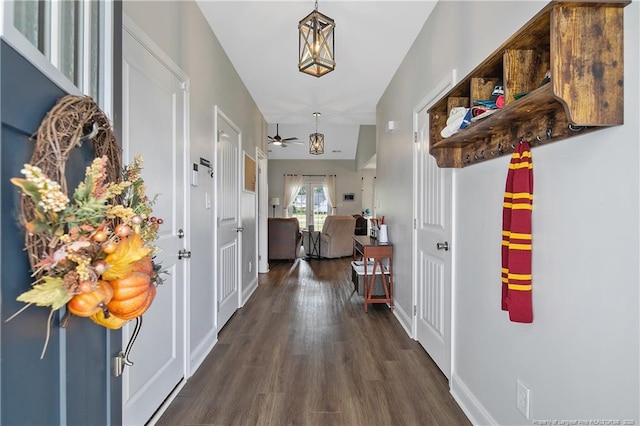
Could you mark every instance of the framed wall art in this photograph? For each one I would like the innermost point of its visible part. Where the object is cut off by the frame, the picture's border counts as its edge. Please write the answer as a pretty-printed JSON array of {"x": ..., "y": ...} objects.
[{"x": 249, "y": 173}]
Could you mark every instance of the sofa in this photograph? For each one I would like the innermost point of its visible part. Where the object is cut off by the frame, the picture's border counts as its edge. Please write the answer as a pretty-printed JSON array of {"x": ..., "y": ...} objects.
[
  {"x": 336, "y": 238},
  {"x": 284, "y": 237}
]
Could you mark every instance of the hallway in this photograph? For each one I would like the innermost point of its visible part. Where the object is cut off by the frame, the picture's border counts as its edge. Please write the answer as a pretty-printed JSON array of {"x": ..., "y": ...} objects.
[{"x": 302, "y": 351}]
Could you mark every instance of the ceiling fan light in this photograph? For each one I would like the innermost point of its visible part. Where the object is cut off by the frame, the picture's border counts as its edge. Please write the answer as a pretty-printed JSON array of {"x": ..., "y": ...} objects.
[
  {"x": 316, "y": 143},
  {"x": 316, "y": 44}
]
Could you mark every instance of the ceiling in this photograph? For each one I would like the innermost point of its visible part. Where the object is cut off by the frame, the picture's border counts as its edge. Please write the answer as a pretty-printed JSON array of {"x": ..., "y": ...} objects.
[{"x": 371, "y": 40}]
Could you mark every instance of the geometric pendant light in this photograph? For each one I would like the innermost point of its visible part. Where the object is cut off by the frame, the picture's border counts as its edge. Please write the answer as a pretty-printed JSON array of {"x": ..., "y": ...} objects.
[
  {"x": 316, "y": 140},
  {"x": 316, "y": 44}
]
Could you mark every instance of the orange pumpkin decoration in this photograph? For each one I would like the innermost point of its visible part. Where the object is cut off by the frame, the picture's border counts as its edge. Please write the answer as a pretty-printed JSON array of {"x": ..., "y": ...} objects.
[
  {"x": 142, "y": 308},
  {"x": 87, "y": 304},
  {"x": 144, "y": 265},
  {"x": 113, "y": 322},
  {"x": 131, "y": 285},
  {"x": 132, "y": 295}
]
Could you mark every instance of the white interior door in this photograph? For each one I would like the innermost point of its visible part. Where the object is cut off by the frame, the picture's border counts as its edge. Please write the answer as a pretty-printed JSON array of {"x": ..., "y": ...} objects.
[
  {"x": 154, "y": 105},
  {"x": 432, "y": 255},
  {"x": 228, "y": 150}
]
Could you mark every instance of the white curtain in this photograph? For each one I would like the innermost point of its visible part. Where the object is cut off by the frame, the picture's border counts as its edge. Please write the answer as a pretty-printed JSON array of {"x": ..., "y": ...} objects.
[
  {"x": 329, "y": 187},
  {"x": 292, "y": 185}
]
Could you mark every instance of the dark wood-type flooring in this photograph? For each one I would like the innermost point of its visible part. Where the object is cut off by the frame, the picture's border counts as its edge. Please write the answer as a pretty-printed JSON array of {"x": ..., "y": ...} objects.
[{"x": 303, "y": 352}]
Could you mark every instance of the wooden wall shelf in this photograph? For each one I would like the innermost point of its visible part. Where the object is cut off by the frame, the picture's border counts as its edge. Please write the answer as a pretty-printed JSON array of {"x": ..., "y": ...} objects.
[{"x": 581, "y": 43}]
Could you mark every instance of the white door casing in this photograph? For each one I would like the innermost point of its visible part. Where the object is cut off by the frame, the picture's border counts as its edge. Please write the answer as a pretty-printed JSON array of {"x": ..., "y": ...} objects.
[
  {"x": 228, "y": 218},
  {"x": 263, "y": 212},
  {"x": 432, "y": 255},
  {"x": 155, "y": 105}
]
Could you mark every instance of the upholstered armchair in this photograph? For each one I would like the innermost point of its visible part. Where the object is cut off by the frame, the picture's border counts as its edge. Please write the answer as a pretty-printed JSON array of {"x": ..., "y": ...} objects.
[
  {"x": 336, "y": 239},
  {"x": 284, "y": 238}
]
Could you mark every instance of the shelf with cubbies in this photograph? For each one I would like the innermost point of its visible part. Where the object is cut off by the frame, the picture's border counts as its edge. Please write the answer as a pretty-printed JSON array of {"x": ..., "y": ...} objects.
[{"x": 581, "y": 44}]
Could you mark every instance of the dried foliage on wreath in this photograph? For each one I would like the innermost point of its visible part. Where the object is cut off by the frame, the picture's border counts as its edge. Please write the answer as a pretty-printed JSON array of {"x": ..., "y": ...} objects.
[
  {"x": 71, "y": 120},
  {"x": 90, "y": 251}
]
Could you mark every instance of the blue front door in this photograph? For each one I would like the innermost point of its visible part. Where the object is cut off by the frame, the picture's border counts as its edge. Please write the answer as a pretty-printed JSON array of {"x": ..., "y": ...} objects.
[{"x": 73, "y": 384}]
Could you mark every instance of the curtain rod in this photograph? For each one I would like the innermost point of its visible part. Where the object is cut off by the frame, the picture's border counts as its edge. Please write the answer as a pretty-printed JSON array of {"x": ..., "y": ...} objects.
[{"x": 288, "y": 174}]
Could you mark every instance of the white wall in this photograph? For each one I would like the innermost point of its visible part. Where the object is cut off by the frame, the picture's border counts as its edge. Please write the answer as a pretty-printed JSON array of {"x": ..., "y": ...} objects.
[
  {"x": 179, "y": 28},
  {"x": 348, "y": 180},
  {"x": 366, "y": 145},
  {"x": 580, "y": 357}
]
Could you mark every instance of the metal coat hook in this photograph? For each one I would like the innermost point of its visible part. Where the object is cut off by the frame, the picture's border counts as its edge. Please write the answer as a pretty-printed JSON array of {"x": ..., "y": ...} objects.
[
  {"x": 122, "y": 359},
  {"x": 539, "y": 139},
  {"x": 479, "y": 157},
  {"x": 576, "y": 128},
  {"x": 500, "y": 151},
  {"x": 520, "y": 141},
  {"x": 467, "y": 159}
]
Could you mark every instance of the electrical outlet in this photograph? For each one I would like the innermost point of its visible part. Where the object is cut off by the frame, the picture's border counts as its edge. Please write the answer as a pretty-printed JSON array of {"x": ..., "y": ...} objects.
[{"x": 522, "y": 398}]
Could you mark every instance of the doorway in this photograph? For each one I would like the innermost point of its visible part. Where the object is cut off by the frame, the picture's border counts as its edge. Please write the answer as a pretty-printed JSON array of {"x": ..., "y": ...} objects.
[
  {"x": 154, "y": 126},
  {"x": 311, "y": 206},
  {"x": 432, "y": 234},
  {"x": 228, "y": 218}
]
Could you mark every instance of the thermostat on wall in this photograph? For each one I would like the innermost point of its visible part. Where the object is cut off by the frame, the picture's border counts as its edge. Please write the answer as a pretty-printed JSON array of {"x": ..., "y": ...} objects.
[{"x": 194, "y": 175}]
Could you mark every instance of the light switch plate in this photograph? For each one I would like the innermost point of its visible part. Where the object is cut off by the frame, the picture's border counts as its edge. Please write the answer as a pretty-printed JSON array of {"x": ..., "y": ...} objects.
[{"x": 522, "y": 398}]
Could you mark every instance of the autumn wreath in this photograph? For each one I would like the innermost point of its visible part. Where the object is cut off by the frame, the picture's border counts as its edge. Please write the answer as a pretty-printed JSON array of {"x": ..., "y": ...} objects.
[{"x": 90, "y": 251}]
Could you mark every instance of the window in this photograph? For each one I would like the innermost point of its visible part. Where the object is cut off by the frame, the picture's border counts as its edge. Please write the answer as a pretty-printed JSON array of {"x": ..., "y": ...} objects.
[
  {"x": 69, "y": 41},
  {"x": 65, "y": 39},
  {"x": 311, "y": 206},
  {"x": 28, "y": 18}
]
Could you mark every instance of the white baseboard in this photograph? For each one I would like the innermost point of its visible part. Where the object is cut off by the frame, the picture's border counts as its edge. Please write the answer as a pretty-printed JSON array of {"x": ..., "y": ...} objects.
[
  {"x": 403, "y": 318},
  {"x": 166, "y": 403},
  {"x": 472, "y": 408},
  {"x": 249, "y": 290},
  {"x": 199, "y": 353}
]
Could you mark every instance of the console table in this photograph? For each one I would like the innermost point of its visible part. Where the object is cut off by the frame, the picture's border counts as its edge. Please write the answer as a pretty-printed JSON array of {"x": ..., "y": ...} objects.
[{"x": 369, "y": 248}]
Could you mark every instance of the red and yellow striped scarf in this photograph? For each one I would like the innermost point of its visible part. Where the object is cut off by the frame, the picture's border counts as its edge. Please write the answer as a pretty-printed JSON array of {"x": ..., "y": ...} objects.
[{"x": 516, "y": 236}]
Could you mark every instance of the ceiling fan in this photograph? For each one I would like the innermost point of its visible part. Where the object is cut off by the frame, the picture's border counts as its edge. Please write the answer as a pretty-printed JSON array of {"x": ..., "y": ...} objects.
[{"x": 278, "y": 141}]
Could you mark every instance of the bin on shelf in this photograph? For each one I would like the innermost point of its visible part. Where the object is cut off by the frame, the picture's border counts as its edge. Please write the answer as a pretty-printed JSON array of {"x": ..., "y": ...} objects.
[{"x": 357, "y": 277}]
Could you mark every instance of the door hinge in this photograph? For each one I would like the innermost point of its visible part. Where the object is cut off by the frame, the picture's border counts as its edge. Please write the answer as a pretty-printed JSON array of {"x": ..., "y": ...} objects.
[
  {"x": 415, "y": 137},
  {"x": 415, "y": 310},
  {"x": 184, "y": 86}
]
